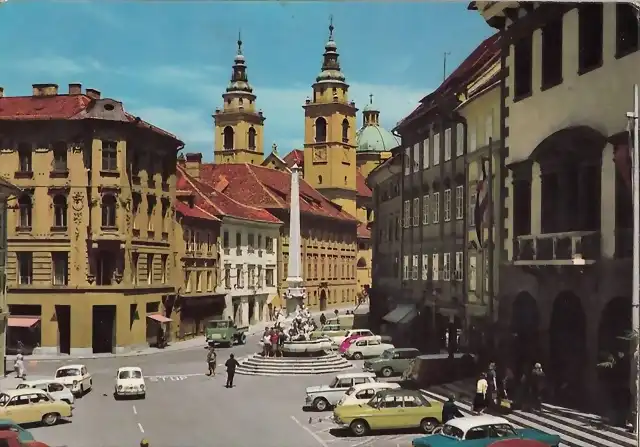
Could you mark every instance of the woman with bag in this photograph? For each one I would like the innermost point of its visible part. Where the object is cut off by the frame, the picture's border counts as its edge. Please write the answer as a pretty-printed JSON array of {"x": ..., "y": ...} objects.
[{"x": 480, "y": 402}]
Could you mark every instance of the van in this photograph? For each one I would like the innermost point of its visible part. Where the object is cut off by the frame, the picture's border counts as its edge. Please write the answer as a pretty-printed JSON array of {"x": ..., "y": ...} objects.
[{"x": 434, "y": 369}]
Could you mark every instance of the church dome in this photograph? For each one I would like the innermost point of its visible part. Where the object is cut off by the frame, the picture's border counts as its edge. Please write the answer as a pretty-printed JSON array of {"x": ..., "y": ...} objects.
[{"x": 372, "y": 137}]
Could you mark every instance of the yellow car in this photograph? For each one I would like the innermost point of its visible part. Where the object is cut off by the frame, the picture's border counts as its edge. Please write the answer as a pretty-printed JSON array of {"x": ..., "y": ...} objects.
[
  {"x": 29, "y": 405},
  {"x": 390, "y": 410}
]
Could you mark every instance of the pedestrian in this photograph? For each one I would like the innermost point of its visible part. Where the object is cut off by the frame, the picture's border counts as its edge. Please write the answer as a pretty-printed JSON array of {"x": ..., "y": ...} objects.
[
  {"x": 18, "y": 367},
  {"x": 492, "y": 381},
  {"x": 323, "y": 319},
  {"x": 274, "y": 343},
  {"x": 281, "y": 339},
  {"x": 266, "y": 343},
  {"x": 480, "y": 401},
  {"x": 231, "y": 365},
  {"x": 450, "y": 410},
  {"x": 211, "y": 360},
  {"x": 536, "y": 385}
]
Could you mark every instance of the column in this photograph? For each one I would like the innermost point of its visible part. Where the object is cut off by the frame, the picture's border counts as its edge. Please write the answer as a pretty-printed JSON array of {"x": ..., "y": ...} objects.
[
  {"x": 608, "y": 203},
  {"x": 244, "y": 312},
  {"x": 536, "y": 199},
  {"x": 256, "y": 311}
]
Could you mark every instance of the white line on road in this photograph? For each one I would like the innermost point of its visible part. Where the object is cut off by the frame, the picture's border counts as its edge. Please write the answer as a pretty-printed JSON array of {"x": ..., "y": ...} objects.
[
  {"x": 140, "y": 427},
  {"x": 313, "y": 435},
  {"x": 134, "y": 410}
]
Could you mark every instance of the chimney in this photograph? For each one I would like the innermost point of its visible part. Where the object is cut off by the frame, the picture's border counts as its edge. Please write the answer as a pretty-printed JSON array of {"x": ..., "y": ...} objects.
[
  {"x": 92, "y": 93},
  {"x": 1, "y": 92},
  {"x": 45, "y": 89},
  {"x": 192, "y": 165},
  {"x": 75, "y": 89}
]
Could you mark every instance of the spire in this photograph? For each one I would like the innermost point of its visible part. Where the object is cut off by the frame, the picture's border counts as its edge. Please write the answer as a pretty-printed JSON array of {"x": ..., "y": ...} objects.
[
  {"x": 370, "y": 113},
  {"x": 330, "y": 64},
  {"x": 239, "y": 80},
  {"x": 274, "y": 149}
]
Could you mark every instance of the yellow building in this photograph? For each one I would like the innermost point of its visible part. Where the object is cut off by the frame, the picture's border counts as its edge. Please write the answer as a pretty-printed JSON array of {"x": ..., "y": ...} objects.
[{"x": 90, "y": 255}]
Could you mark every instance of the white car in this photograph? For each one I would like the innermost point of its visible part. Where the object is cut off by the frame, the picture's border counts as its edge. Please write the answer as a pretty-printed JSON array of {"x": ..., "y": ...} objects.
[
  {"x": 130, "y": 382},
  {"x": 76, "y": 378},
  {"x": 54, "y": 387},
  {"x": 361, "y": 332},
  {"x": 320, "y": 398},
  {"x": 364, "y": 392},
  {"x": 367, "y": 347}
]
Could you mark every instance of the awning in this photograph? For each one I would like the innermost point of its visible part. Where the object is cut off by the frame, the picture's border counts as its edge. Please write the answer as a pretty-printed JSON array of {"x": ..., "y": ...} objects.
[
  {"x": 23, "y": 321},
  {"x": 402, "y": 314},
  {"x": 159, "y": 318}
]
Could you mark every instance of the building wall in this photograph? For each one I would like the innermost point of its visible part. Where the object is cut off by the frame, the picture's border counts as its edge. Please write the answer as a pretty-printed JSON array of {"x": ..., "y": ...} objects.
[{"x": 4, "y": 310}]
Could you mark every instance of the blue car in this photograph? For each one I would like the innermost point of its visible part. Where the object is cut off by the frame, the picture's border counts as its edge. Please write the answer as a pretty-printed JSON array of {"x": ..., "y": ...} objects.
[
  {"x": 482, "y": 431},
  {"x": 23, "y": 435}
]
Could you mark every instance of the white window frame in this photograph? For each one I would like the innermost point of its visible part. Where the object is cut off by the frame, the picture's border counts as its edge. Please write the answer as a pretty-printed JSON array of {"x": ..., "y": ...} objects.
[
  {"x": 446, "y": 267},
  {"x": 459, "y": 202},
  {"x": 459, "y": 140},
  {"x": 436, "y": 149},
  {"x": 447, "y": 144},
  {"x": 425, "y": 153},
  {"x": 472, "y": 273},
  {"x": 407, "y": 213},
  {"x": 425, "y": 209},
  {"x": 407, "y": 161},
  {"x": 415, "y": 267},
  {"x": 488, "y": 127},
  {"x": 405, "y": 267},
  {"x": 416, "y": 211},
  {"x": 447, "y": 205},
  {"x": 436, "y": 207},
  {"x": 425, "y": 267},
  {"x": 416, "y": 157},
  {"x": 435, "y": 265},
  {"x": 458, "y": 272},
  {"x": 472, "y": 138}
]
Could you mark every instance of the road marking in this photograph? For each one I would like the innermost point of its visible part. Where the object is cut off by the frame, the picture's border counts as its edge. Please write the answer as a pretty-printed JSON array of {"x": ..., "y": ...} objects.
[
  {"x": 308, "y": 430},
  {"x": 134, "y": 410},
  {"x": 171, "y": 377},
  {"x": 140, "y": 427},
  {"x": 369, "y": 440}
]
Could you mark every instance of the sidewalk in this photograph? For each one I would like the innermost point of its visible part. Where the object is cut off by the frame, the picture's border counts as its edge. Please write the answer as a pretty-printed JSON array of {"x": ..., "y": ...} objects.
[{"x": 196, "y": 342}]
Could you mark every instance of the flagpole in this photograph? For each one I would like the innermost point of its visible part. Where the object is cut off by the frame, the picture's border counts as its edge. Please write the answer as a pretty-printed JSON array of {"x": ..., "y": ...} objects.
[
  {"x": 490, "y": 250},
  {"x": 635, "y": 311}
]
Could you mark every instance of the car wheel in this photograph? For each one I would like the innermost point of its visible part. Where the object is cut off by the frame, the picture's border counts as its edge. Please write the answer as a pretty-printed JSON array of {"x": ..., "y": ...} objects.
[
  {"x": 320, "y": 404},
  {"x": 428, "y": 425},
  {"x": 358, "y": 356},
  {"x": 386, "y": 372},
  {"x": 50, "y": 419},
  {"x": 243, "y": 339},
  {"x": 359, "y": 427}
]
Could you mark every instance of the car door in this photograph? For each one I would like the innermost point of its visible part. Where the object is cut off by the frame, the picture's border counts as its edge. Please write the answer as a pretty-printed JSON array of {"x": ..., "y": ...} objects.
[
  {"x": 20, "y": 410},
  {"x": 414, "y": 410},
  {"x": 389, "y": 414},
  {"x": 374, "y": 348},
  {"x": 338, "y": 391},
  {"x": 404, "y": 360}
]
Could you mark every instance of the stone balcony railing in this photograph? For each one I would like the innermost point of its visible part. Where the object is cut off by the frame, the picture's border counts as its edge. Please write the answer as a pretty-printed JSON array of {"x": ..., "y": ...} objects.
[{"x": 573, "y": 247}]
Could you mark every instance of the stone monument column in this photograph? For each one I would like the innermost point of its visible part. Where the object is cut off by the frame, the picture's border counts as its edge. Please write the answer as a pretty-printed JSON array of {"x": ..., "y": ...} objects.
[{"x": 295, "y": 292}]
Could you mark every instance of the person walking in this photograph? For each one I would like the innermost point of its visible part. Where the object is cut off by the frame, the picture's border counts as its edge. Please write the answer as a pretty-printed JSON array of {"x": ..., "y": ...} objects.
[
  {"x": 492, "y": 380},
  {"x": 450, "y": 410},
  {"x": 480, "y": 401},
  {"x": 281, "y": 339},
  {"x": 323, "y": 319},
  {"x": 18, "y": 367},
  {"x": 231, "y": 365},
  {"x": 211, "y": 360},
  {"x": 537, "y": 386}
]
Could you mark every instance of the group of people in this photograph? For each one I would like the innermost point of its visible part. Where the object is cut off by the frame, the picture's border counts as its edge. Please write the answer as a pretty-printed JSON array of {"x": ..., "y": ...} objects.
[
  {"x": 231, "y": 364},
  {"x": 274, "y": 338}
]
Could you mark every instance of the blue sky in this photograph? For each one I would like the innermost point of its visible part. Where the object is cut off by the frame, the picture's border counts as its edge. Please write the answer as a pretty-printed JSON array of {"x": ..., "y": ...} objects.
[{"x": 169, "y": 62}]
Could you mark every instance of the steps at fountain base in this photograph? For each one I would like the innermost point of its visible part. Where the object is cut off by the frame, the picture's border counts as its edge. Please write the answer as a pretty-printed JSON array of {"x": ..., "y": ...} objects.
[{"x": 261, "y": 366}]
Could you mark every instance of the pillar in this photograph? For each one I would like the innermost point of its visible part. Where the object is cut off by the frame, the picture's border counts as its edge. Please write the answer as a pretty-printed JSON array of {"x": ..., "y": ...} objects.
[
  {"x": 536, "y": 199},
  {"x": 244, "y": 312},
  {"x": 228, "y": 307},
  {"x": 256, "y": 311},
  {"x": 608, "y": 203},
  {"x": 82, "y": 328},
  {"x": 48, "y": 330}
]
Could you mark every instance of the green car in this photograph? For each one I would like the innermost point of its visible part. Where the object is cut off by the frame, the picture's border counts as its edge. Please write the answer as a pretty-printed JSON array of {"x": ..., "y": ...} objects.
[
  {"x": 391, "y": 362},
  {"x": 9, "y": 425},
  {"x": 225, "y": 332}
]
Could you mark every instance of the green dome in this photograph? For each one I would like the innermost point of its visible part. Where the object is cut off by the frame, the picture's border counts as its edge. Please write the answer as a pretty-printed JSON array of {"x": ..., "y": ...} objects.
[{"x": 373, "y": 138}]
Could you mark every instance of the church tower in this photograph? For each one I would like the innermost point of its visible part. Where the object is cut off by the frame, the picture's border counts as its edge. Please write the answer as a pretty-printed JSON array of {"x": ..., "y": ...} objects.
[
  {"x": 330, "y": 133},
  {"x": 238, "y": 126}
]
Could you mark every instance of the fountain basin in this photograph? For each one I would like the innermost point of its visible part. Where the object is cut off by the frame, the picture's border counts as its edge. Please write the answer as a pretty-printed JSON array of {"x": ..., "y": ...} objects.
[{"x": 315, "y": 347}]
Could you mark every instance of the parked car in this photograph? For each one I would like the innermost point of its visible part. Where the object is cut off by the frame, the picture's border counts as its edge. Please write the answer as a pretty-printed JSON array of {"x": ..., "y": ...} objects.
[
  {"x": 75, "y": 377},
  {"x": 129, "y": 382},
  {"x": 338, "y": 339},
  {"x": 327, "y": 331},
  {"x": 56, "y": 388},
  {"x": 347, "y": 342},
  {"x": 23, "y": 435},
  {"x": 364, "y": 392},
  {"x": 482, "y": 431},
  {"x": 28, "y": 405},
  {"x": 225, "y": 332},
  {"x": 391, "y": 362},
  {"x": 390, "y": 409},
  {"x": 320, "y": 398},
  {"x": 367, "y": 347}
]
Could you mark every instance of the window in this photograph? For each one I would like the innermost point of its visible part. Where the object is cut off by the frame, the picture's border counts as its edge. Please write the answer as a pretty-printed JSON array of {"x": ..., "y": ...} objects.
[
  {"x": 198, "y": 281},
  {"x": 225, "y": 240},
  {"x": 25, "y": 209},
  {"x": 259, "y": 241},
  {"x": 252, "y": 139},
  {"x": 135, "y": 210},
  {"x": 435, "y": 264},
  {"x": 459, "y": 140},
  {"x": 25, "y": 267},
  {"x": 227, "y": 276},
  {"x": 447, "y": 205},
  {"x": 405, "y": 267},
  {"x": 488, "y": 128},
  {"x": 165, "y": 214},
  {"x": 407, "y": 213},
  {"x": 457, "y": 274},
  {"x": 425, "y": 209},
  {"x": 345, "y": 131},
  {"x": 59, "y": 163},
  {"x": 472, "y": 272},
  {"x": 108, "y": 211},
  {"x": 425, "y": 267},
  {"x": 416, "y": 211},
  {"x": 227, "y": 138},
  {"x": 251, "y": 274},
  {"x": 321, "y": 130},
  {"x": 447, "y": 145},
  {"x": 60, "y": 261},
  {"x": 436, "y": 149},
  {"x": 251, "y": 243},
  {"x": 523, "y": 64},
  {"x": 472, "y": 138},
  {"x": 60, "y": 211},
  {"x": 626, "y": 29},
  {"x": 459, "y": 202},
  {"x": 416, "y": 157},
  {"x": 446, "y": 266},
  {"x": 415, "y": 267},
  {"x": 239, "y": 276},
  {"x": 425, "y": 154},
  {"x": 209, "y": 280},
  {"x": 436, "y": 207},
  {"x": 590, "y": 28},
  {"x": 151, "y": 206},
  {"x": 25, "y": 155},
  {"x": 149, "y": 268},
  {"x": 552, "y": 53},
  {"x": 165, "y": 268},
  {"x": 407, "y": 161},
  {"x": 472, "y": 208},
  {"x": 109, "y": 156},
  {"x": 187, "y": 280},
  {"x": 268, "y": 241}
]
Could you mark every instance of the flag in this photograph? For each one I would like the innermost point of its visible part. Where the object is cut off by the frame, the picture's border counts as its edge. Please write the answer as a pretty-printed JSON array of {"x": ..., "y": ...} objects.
[{"x": 482, "y": 200}]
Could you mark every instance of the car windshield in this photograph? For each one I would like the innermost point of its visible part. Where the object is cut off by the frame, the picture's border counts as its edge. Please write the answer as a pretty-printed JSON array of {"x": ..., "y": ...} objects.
[
  {"x": 68, "y": 372},
  {"x": 217, "y": 325},
  {"x": 388, "y": 354},
  {"x": 334, "y": 382},
  {"x": 130, "y": 375},
  {"x": 4, "y": 399}
]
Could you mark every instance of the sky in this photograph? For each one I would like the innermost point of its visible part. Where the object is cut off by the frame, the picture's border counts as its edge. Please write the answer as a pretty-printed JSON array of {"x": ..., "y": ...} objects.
[{"x": 169, "y": 62}]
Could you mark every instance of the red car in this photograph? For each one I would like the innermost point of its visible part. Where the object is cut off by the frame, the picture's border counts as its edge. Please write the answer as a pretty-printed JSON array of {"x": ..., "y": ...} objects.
[{"x": 347, "y": 342}]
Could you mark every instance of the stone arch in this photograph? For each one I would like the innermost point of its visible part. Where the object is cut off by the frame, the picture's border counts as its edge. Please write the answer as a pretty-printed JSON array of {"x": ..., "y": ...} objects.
[
  {"x": 567, "y": 348},
  {"x": 321, "y": 130},
  {"x": 362, "y": 263},
  {"x": 525, "y": 330},
  {"x": 228, "y": 135},
  {"x": 323, "y": 300}
]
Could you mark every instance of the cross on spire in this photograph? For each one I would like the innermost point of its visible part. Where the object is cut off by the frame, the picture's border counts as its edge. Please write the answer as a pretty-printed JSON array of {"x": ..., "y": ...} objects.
[
  {"x": 370, "y": 98},
  {"x": 331, "y": 27},
  {"x": 239, "y": 42}
]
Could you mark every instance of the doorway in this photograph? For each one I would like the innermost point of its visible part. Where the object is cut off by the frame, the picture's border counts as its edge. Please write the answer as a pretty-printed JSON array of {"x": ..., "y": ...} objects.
[
  {"x": 63, "y": 316},
  {"x": 323, "y": 300},
  {"x": 252, "y": 308},
  {"x": 104, "y": 329}
]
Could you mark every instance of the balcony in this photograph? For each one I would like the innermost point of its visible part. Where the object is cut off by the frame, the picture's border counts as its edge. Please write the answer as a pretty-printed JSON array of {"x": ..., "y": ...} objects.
[{"x": 570, "y": 248}]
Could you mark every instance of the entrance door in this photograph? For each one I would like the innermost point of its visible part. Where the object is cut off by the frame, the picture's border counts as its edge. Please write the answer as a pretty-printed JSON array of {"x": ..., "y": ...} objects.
[
  {"x": 323, "y": 300},
  {"x": 104, "y": 329},
  {"x": 63, "y": 315}
]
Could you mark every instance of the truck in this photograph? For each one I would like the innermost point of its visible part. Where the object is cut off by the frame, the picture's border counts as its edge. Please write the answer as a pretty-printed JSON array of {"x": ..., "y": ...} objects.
[{"x": 225, "y": 332}]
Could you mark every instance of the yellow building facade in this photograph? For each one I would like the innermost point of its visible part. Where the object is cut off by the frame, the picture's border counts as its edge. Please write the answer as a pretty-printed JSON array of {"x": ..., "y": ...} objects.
[{"x": 90, "y": 235}]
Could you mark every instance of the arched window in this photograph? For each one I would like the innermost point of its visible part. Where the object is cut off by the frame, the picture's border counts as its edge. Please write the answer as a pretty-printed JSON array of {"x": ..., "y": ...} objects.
[
  {"x": 108, "y": 211},
  {"x": 25, "y": 206},
  {"x": 321, "y": 130},
  {"x": 228, "y": 137},
  {"x": 252, "y": 139},
  {"x": 345, "y": 131},
  {"x": 362, "y": 263},
  {"x": 60, "y": 211}
]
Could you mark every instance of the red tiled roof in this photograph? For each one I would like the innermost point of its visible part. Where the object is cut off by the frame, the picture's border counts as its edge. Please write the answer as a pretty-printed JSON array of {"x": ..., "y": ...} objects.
[
  {"x": 219, "y": 204},
  {"x": 363, "y": 231},
  {"x": 196, "y": 212},
  {"x": 361, "y": 185},
  {"x": 269, "y": 188},
  {"x": 293, "y": 157}
]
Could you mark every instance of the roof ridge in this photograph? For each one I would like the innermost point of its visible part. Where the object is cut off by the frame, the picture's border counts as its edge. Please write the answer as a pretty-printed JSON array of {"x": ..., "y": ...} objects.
[
  {"x": 245, "y": 205},
  {"x": 253, "y": 174},
  {"x": 204, "y": 211}
]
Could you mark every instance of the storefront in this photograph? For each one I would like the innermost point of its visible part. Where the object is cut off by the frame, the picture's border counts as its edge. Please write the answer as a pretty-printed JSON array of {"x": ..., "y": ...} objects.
[
  {"x": 23, "y": 334},
  {"x": 194, "y": 312}
]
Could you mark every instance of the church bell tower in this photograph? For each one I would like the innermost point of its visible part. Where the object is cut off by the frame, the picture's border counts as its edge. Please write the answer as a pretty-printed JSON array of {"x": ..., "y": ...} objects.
[
  {"x": 238, "y": 126},
  {"x": 330, "y": 133}
]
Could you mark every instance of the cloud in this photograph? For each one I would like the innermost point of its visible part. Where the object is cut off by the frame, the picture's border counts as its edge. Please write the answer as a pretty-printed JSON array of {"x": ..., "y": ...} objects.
[{"x": 56, "y": 65}]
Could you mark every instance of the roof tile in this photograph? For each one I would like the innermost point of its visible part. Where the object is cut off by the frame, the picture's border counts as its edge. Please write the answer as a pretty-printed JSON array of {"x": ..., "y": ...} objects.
[
  {"x": 363, "y": 231},
  {"x": 196, "y": 212},
  {"x": 361, "y": 185},
  {"x": 293, "y": 157}
]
